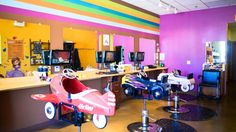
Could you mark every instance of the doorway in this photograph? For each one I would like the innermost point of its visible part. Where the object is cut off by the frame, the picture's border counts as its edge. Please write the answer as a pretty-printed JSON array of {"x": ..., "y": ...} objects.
[{"x": 231, "y": 52}]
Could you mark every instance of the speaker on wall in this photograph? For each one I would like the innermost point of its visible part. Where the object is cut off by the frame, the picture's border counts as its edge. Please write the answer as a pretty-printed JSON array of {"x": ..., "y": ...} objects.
[
  {"x": 119, "y": 54},
  {"x": 131, "y": 56},
  {"x": 99, "y": 56},
  {"x": 46, "y": 56},
  {"x": 68, "y": 46}
]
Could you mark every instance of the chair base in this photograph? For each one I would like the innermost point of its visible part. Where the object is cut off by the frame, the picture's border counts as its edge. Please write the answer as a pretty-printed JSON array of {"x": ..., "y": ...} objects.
[
  {"x": 172, "y": 109},
  {"x": 176, "y": 108},
  {"x": 138, "y": 127}
]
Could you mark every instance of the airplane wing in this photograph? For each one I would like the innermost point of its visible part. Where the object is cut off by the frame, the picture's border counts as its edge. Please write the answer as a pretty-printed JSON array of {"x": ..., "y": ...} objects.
[{"x": 46, "y": 97}]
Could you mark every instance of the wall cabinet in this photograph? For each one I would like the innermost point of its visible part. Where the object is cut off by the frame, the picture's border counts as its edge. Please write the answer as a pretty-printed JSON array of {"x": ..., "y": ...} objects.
[{"x": 36, "y": 48}]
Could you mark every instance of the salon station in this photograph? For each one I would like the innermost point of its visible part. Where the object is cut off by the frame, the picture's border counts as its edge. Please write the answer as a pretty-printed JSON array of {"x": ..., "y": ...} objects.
[{"x": 117, "y": 65}]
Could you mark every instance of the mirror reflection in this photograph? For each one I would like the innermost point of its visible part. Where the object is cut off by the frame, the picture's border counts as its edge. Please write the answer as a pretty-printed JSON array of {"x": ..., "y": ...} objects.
[{"x": 215, "y": 54}]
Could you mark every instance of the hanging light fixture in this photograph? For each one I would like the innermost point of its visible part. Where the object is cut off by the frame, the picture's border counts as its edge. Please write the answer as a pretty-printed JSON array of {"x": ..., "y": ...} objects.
[{"x": 167, "y": 6}]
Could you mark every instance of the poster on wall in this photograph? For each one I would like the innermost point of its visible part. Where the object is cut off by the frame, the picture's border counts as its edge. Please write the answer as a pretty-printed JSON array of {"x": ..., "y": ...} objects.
[
  {"x": 0, "y": 50},
  {"x": 106, "y": 39},
  {"x": 15, "y": 48}
]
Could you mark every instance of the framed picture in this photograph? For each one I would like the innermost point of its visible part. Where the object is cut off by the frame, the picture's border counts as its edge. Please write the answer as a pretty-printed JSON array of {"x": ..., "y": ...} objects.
[
  {"x": 106, "y": 39},
  {"x": 15, "y": 48}
]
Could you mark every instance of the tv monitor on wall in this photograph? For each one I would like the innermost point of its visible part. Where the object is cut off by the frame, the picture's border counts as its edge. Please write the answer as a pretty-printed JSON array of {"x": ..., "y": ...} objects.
[
  {"x": 60, "y": 57},
  {"x": 109, "y": 56},
  {"x": 139, "y": 56}
]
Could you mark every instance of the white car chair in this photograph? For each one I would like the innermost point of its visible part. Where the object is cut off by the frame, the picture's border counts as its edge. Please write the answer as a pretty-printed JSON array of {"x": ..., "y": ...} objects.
[{"x": 178, "y": 83}]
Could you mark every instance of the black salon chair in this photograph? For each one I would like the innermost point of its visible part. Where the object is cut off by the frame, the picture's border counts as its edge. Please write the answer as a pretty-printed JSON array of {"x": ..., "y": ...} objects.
[{"x": 210, "y": 79}]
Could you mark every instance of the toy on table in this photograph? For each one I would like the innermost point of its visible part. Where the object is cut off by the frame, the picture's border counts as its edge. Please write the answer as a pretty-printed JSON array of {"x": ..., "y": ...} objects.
[
  {"x": 136, "y": 86},
  {"x": 73, "y": 100}
]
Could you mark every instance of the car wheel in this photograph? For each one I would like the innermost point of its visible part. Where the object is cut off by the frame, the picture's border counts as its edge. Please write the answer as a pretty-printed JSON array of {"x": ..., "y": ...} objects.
[
  {"x": 128, "y": 91},
  {"x": 157, "y": 94},
  {"x": 50, "y": 110},
  {"x": 185, "y": 88},
  {"x": 100, "y": 121}
]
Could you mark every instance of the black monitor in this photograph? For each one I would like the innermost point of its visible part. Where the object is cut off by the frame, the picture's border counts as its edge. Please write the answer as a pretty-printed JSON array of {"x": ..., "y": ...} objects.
[
  {"x": 131, "y": 56},
  {"x": 68, "y": 46},
  {"x": 61, "y": 57},
  {"x": 46, "y": 57},
  {"x": 99, "y": 56},
  {"x": 109, "y": 56},
  {"x": 139, "y": 56}
]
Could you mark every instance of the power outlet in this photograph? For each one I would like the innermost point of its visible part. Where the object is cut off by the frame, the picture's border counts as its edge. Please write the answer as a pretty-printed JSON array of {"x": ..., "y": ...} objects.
[{"x": 188, "y": 62}]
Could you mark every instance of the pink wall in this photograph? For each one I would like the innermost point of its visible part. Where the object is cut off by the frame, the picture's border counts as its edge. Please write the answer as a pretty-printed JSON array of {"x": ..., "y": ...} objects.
[
  {"x": 182, "y": 36},
  {"x": 147, "y": 46},
  {"x": 127, "y": 42}
]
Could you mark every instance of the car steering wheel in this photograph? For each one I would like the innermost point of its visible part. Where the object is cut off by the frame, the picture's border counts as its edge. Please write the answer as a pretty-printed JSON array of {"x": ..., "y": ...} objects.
[
  {"x": 142, "y": 75},
  {"x": 69, "y": 73}
]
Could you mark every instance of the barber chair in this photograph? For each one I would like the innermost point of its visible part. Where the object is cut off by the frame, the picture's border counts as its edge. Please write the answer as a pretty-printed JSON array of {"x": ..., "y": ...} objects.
[
  {"x": 210, "y": 81},
  {"x": 135, "y": 86},
  {"x": 179, "y": 84}
]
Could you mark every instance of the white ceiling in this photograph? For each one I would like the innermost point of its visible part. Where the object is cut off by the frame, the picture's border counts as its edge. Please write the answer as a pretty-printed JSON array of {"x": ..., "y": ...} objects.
[{"x": 169, "y": 6}]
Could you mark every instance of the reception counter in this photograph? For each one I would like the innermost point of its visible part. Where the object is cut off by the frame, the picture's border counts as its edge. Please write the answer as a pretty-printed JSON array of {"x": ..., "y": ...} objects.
[{"x": 20, "y": 112}]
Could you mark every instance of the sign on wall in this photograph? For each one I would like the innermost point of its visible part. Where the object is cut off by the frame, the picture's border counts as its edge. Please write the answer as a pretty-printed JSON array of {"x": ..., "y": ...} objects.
[{"x": 15, "y": 48}]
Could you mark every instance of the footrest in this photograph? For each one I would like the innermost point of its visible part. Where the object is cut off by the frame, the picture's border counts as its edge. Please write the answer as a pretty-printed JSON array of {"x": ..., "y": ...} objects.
[{"x": 73, "y": 116}]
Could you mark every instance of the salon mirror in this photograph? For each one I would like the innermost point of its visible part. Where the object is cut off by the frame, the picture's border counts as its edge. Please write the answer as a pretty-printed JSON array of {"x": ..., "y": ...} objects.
[
  {"x": 216, "y": 52},
  {"x": 215, "y": 55}
]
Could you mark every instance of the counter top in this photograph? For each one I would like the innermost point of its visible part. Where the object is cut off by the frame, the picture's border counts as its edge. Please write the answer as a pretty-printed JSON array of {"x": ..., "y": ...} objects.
[
  {"x": 21, "y": 83},
  {"x": 18, "y": 83}
]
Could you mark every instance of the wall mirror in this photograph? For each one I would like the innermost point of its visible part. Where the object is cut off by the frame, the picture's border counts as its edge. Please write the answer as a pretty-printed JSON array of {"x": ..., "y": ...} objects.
[{"x": 216, "y": 52}]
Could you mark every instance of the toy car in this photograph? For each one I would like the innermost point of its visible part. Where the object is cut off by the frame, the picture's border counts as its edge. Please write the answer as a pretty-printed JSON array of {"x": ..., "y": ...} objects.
[
  {"x": 186, "y": 84},
  {"x": 135, "y": 85},
  {"x": 69, "y": 95}
]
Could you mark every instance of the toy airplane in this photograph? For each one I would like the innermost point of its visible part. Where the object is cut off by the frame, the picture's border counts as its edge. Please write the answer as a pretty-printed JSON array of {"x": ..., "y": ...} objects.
[{"x": 69, "y": 95}]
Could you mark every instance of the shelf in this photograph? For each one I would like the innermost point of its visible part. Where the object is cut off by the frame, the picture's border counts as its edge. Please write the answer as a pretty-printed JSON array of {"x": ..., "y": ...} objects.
[{"x": 38, "y": 51}]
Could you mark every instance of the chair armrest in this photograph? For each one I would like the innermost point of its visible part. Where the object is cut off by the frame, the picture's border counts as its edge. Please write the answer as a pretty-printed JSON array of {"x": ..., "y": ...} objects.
[{"x": 199, "y": 76}]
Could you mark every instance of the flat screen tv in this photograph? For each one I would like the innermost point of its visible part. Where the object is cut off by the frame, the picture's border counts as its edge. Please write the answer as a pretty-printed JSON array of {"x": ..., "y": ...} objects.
[
  {"x": 61, "y": 57},
  {"x": 139, "y": 56},
  {"x": 109, "y": 56}
]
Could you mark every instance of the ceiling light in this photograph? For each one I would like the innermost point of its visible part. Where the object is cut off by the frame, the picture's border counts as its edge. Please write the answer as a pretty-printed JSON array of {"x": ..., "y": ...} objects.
[
  {"x": 175, "y": 11},
  {"x": 160, "y": 4},
  {"x": 168, "y": 8}
]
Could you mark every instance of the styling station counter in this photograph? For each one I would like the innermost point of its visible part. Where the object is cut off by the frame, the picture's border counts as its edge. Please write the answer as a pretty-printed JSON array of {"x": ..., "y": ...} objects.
[{"x": 20, "y": 112}]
